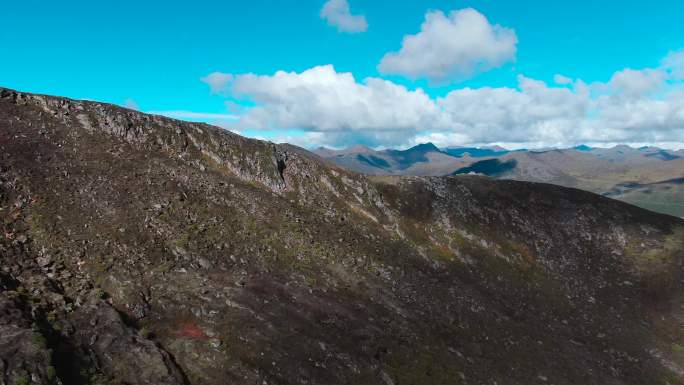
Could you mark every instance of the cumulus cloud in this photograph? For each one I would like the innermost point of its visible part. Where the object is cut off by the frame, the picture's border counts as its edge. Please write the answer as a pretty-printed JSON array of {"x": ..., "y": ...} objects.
[
  {"x": 217, "y": 81},
  {"x": 635, "y": 83},
  {"x": 452, "y": 47},
  {"x": 334, "y": 108},
  {"x": 337, "y": 13},
  {"x": 531, "y": 112},
  {"x": 674, "y": 64},
  {"x": 323, "y": 100}
]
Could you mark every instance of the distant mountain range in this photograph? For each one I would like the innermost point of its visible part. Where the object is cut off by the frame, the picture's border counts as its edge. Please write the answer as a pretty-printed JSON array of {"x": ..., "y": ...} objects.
[{"x": 649, "y": 177}]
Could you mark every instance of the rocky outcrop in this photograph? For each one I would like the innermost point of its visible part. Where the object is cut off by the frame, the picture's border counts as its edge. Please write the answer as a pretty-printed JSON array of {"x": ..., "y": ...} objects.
[{"x": 120, "y": 351}]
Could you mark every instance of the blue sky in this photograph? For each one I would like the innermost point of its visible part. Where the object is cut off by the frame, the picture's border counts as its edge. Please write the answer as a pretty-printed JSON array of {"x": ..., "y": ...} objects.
[{"x": 154, "y": 54}]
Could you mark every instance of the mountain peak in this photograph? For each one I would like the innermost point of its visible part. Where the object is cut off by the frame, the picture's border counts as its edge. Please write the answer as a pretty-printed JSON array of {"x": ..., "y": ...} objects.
[
  {"x": 425, "y": 147},
  {"x": 582, "y": 147},
  {"x": 359, "y": 148}
]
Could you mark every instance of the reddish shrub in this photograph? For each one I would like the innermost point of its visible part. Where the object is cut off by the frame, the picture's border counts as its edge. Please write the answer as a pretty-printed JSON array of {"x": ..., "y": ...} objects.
[{"x": 189, "y": 329}]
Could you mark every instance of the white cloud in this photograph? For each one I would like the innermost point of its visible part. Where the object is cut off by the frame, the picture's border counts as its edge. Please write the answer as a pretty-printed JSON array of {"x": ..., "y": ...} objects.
[
  {"x": 323, "y": 100},
  {"x": 326, "y": 107},
  {"x": 532, "y": 112},
  {"x": 452, "y": 48},
  {"x": 217, "y": 81},
  {"x": 635, "y": 83},
  {"x": 562, "y": 80},
  {"x": 337, "y": 13},
  {"x": 674, "y": 63}
]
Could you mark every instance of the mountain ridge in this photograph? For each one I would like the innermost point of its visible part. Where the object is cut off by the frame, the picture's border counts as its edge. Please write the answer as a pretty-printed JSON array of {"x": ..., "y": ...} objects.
[{"x": 599, "y": 170}]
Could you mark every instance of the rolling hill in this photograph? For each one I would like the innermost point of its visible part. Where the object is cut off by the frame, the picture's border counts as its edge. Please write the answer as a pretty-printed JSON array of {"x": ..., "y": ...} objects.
[{"x": 599, "y": 170}]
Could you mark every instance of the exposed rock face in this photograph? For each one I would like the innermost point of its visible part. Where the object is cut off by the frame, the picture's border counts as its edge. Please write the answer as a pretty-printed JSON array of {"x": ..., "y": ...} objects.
[{"x": 138, "y": 249}]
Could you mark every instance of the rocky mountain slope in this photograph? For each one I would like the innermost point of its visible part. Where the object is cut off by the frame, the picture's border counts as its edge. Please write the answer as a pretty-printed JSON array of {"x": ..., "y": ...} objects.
[
  {"x": 666, "y": 196},
  {"x": 136, "y": 249}
]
